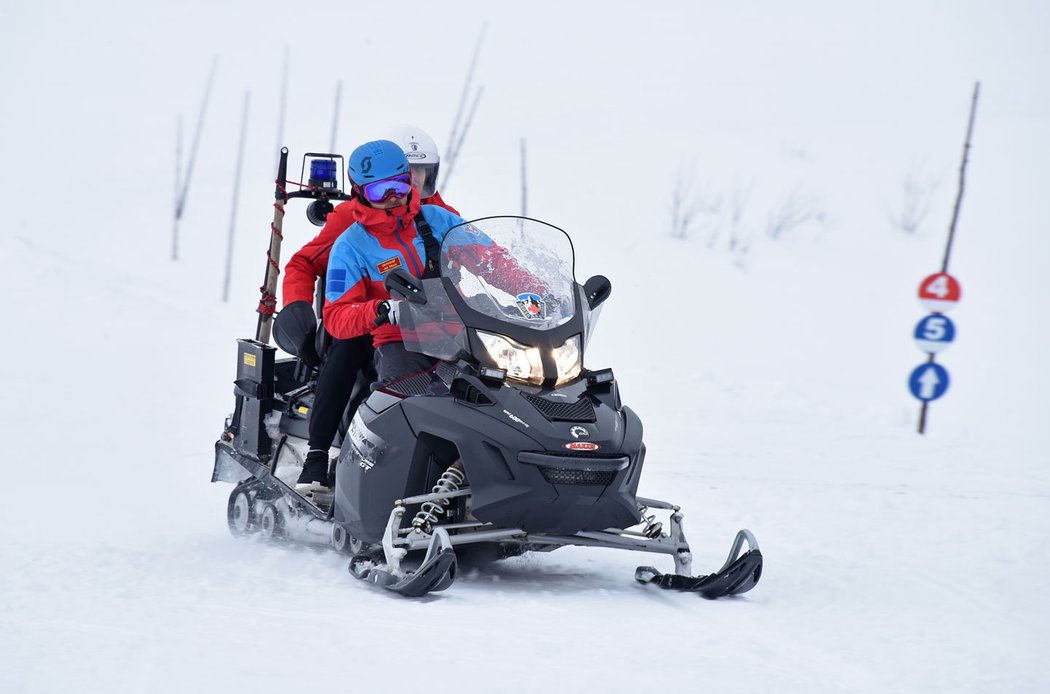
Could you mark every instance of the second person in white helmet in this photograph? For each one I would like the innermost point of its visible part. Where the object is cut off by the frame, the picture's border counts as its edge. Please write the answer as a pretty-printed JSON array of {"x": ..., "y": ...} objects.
[{"x": 424, "y": 160}]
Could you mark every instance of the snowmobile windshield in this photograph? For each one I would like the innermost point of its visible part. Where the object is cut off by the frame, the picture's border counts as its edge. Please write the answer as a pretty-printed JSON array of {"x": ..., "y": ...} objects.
[{"x": 516, "y": 270}]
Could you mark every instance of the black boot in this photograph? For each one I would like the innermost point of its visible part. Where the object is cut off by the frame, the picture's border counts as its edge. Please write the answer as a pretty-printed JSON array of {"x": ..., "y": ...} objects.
[{"x": 315, "y": 472}]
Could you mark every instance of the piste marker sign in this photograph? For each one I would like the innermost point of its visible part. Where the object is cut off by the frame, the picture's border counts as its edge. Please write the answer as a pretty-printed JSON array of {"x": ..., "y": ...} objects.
[{"x": 939, "y": 292}]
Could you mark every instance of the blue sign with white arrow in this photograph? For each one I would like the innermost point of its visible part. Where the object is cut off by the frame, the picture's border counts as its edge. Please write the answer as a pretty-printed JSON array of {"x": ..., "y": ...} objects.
[
  {"x": 928, "y": 381},
  {"x": 934, "y": 332}
]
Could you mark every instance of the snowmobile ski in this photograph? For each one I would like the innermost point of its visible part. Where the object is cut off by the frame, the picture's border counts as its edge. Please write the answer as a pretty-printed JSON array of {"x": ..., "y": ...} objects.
[
  {"x": 738, "y": 575},
  {"x": 383, "y": 568},
  {"x": 436, "y": 574}
]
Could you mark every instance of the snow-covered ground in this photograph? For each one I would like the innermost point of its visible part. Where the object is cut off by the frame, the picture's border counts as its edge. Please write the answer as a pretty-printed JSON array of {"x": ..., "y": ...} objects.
[{"x": 772, "y": 381}]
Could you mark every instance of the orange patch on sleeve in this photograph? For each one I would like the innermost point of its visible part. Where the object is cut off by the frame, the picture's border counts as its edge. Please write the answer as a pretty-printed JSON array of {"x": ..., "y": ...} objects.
[{"x": 388, "y": 265}]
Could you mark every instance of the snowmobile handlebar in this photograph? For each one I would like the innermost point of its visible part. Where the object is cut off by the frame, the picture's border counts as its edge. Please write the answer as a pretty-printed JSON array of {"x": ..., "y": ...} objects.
[{"x": 401, "y": 285}]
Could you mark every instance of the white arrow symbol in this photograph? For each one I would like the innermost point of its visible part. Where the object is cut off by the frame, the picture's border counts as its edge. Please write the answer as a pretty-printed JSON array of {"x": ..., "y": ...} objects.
[{"x": 928, "y": 380}]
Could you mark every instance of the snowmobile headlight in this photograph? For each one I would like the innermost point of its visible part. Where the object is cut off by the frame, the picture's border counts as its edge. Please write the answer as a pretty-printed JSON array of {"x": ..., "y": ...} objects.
[
  {"x": 567, "y": 358},
  {"x": 520, "y": 362}
]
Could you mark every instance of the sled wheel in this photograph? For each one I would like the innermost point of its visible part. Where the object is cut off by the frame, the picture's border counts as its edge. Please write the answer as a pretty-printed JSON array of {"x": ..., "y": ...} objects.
[
  {"x": 239, "y": 514},
  {"x": 270, "y": 522},
  {"x": 345, "y": 542}
]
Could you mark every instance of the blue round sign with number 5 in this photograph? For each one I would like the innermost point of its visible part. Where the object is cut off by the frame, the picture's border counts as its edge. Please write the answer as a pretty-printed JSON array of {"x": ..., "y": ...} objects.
[{"x": 934, "y": 332}]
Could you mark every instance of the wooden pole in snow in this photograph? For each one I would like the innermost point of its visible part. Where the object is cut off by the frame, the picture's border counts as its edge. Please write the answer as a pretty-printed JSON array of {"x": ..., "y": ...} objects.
[
  {"x": 233, "y": 204},
  {"x": 524, "y": 188},
  {"x": 466, "y": 90},
  {"x": 462, "y": 137},
  {"x": 181, "y": 206},
  {"x": 268, "y": 301},
  {"x": 456, "y": 136},
  {"x": 178, "y": 175},
  {"x": 281, "y": 110},
  {"x": 335, "y": 118}
]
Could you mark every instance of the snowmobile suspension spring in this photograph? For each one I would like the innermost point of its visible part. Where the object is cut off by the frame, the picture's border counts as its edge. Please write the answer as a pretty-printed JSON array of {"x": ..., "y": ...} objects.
[
  {"x": 430, "y": 512},
  {"x": 652, "y": 529}
]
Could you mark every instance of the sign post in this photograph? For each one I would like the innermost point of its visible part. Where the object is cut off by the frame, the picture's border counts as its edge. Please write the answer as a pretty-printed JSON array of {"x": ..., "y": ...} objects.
[
  {"x": 934, "y": 333},
  {"x": 929, "y": 381},
  {"x": 938, "y": 293}
]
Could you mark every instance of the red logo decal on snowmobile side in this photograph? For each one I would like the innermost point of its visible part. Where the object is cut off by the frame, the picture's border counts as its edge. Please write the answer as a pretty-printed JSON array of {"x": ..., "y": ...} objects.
[{"x": 581, "y": 446}]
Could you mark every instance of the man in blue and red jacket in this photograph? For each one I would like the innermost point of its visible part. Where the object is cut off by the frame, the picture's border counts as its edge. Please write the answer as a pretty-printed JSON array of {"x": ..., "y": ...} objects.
[
  {"x": 384, "y": 236},
  {"x": 344, "y": 359},
  {"x": 311, "y": 262}
]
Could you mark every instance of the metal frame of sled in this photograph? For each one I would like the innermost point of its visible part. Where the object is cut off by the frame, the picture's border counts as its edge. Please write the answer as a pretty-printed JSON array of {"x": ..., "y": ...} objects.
[{"x": 739, "y": 574}]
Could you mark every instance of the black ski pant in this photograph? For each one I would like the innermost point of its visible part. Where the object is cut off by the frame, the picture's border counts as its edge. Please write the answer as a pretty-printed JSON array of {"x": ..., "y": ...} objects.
[{"x": 345, "y": 361}]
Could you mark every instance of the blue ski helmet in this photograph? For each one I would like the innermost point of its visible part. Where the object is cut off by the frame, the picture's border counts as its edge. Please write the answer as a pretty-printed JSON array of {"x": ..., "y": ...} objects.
[{"x": 376, "y": 160}]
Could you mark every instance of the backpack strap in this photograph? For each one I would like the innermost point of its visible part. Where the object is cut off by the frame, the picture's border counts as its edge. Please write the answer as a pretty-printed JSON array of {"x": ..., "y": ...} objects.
[{"x": 430, "y": 244}]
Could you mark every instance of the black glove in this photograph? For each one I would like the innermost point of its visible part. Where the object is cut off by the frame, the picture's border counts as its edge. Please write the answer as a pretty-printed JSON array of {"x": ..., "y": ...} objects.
[{"x": 388, "y": 312}]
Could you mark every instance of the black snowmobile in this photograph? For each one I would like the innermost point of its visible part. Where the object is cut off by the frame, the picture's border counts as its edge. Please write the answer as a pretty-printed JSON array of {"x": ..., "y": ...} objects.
[{"x": 509, "y": 444}]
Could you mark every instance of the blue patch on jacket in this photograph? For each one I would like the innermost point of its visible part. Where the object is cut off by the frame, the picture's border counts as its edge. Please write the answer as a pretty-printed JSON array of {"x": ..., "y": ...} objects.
[{"x": 336, "y": 281}]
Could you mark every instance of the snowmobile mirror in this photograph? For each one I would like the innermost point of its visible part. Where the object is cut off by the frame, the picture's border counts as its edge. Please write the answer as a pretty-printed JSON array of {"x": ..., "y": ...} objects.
[
  {"x": 401, "y": 285},
  {"x": 597, "y": 289},
  {"x": 317, "y": 212}
]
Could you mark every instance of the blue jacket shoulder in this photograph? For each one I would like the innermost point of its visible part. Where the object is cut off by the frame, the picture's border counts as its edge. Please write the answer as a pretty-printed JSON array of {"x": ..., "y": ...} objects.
[{"x": 440, "y": 219}]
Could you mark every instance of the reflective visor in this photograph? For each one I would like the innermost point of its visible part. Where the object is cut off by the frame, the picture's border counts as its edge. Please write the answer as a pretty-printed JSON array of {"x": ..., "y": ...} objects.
[
  {"x": 396, "y": 186},
  {"x": 424, "y": 177}
]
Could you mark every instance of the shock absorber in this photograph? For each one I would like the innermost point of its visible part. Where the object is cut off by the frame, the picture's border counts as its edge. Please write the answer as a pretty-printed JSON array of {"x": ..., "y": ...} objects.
[
  {"x": 652, "y": 529},
  {"x": 430, "y": 512}
]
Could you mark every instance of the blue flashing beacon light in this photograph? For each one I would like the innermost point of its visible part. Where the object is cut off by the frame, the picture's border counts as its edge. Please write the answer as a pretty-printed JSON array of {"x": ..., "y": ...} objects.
[{"x": 323, "y": 173}]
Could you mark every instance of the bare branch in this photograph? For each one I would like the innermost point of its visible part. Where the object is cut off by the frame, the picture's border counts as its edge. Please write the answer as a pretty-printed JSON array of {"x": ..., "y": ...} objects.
[
  {"x": 741, "y": 196},
  {"x": 916, "y": 197},
  {"x": 795, "y": 211},
  {"x": 688, "y": 203}
]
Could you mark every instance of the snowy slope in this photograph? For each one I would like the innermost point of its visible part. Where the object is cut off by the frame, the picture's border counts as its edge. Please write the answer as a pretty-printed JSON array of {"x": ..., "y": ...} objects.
[{"x": 776, "y": 400}]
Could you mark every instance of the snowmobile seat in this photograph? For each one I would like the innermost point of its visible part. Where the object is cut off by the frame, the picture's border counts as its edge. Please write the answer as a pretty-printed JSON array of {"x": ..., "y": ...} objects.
[
  {"x": 295, "y": 331},
  {"x": 322, "y": 340}
]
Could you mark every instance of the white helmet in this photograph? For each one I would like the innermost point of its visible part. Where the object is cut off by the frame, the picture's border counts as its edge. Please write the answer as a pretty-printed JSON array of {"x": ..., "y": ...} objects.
[{"x": 422, "y": 155}]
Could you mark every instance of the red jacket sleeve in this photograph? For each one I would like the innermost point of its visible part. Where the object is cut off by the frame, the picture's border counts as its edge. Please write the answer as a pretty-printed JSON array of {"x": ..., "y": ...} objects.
[
  {"x": 351, "y": 296},
  {"x": 353, "y": 314},
  {"x": 311, "y": 261},
  {"x": 496, "y": 264}
]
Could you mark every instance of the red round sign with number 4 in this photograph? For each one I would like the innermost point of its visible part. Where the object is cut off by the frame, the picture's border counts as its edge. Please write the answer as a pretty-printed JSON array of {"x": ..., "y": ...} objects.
[{"x": 939, "y": 292}]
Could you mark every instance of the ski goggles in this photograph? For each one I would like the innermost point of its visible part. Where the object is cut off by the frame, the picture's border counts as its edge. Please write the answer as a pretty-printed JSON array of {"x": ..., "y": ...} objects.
[{"x": 395, "y": 186}]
